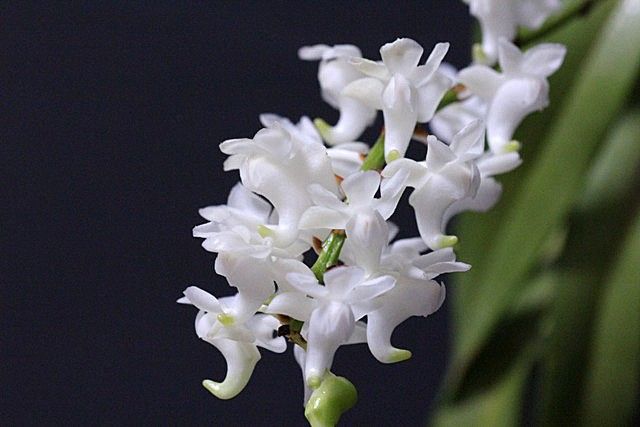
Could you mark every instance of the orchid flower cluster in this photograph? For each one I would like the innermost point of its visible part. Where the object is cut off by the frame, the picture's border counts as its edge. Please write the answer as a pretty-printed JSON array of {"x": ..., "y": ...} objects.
[{"x": 310, "y": 186}]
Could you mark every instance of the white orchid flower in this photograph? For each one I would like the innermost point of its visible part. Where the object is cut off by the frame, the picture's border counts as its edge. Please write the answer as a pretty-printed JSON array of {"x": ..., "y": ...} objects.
[
  {"x": 360, "y": 189},
  {"x": 449, "y": 174},
  {"x": 500, "y": 20},
  {"x": 238, "y": 343},
  {"x": 359, "y": 336},
  {"x": 451, "y": 119},
  {"x": 405, "y": 91},
  {"x": 334, "y": 73},
  {"x": 247, "y": 255},
  {"x": 330, "y": 312},
  {"x": 273, "y": 158},
  {"x": 346, "y": 158},
  {"x": 489, "y": 190},
  {"x": 415, "y": 293},
  {"x": 520, "y": 89}
]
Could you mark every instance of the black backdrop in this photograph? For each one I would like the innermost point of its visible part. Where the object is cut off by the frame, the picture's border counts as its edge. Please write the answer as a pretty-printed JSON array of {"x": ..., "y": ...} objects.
[{"x": 111, "y": 116}]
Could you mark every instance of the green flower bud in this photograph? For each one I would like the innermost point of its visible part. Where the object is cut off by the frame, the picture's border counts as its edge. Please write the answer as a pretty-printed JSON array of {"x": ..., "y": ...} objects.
[{"x": 330, "y": 400}]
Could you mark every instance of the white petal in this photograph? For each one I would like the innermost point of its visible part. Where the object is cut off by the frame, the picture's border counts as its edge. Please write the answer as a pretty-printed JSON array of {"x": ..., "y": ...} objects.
[
  {"x": 205, "y": 230},
  {"x": 263, "y": 327},
  {"x": 509, "y": 56},
  {"x": 497, "y": 20},
  {"x": 433, "y": 267},
  {"x": 496, "y": 164},
  {"x": 452, "y": 118},
  {"x": 367, "y": 90},
  {"x": 424, "y": 73},
  {"x": 361, "y": 187},
  {"x": 366, "y": 238},
  {"x": 480, "y": 80},
  {"x": 237, "y": 333},
  {"x": 359, "y": 335},
  {"x": 215, "y": 213},
  {"x": 300, "y": 355},
  {"x": 282, "y": 267},
  {"x": 513, "y": 102},
  {"x": 543, "y": 59},
  {"x": 391, "y": 189},
  {"x": 401, "y": 56},
  {"x": 340, "y": 281},
  {"x": 344, "y": 162},
  {"x": 438, "y": 154},
  {"x": 400, "y": 116},
  {"x": 241, "y": 359},
  {"x": 430, "y": 204},
  {"x": 329, "y": 326},
  {"x": 417, "y": 171},
  {"x": 323, "y": 197},
  {"x": 409, "y": 248},
  {"x": 307, "y": 285},
  {"x": 252, "y": 278},
  {"x": 488, "y": 194},
  {"x": 202, "y": 300},
  {"x": 533, "y": 13},
  {"x": 312, "y": 53},
  {"x": 408, "y": 298},
  {"x": 355, "y": 116},
  {"x": 292, "y": 304},
  {"x": 430, "y": 94},
  {"x": 321, "y": 217},
  {"x": 249, "y": 203},
  {"x": 370, "y": 68},
  {"x": 468, "y": 144},
  {"x": 363, "y": 297}
]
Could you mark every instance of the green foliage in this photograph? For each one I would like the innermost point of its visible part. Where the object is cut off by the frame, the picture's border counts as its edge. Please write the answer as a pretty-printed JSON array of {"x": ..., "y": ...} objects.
[{"x": 560, "y": 283}]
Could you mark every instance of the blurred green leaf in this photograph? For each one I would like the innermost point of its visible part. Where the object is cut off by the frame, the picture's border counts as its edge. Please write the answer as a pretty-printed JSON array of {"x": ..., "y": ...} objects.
[
  {"x": 614, "y": 378},
  {"x": 497, "y": 406},
  {"x": 553, "y": 183},
  {"x": 476, "y": 229},
  {"x": 491, "y": 390},
  {"x": 597, "y": 227}
]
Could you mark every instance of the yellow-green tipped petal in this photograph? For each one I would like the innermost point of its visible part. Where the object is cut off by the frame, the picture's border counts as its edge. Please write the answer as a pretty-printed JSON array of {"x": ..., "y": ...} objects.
[
  {"x": 264, "y": 231},
  {"x": 226, "y": 319},
  {"x": 217, "y": 389},
  {"x": 399, "y": 355},
  {"x": 327, "y": 403},
  {"x": 512, "y": 146},
  {"x": 323, "y": 127},
  {"x": 392, "y": 155},
  {"x": 447, "y": 241},
  {"x": 478, "y": 54}
]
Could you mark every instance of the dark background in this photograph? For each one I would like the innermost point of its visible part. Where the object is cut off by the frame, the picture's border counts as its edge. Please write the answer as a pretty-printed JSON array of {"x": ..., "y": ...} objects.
[{"x": 111, "y": 116}]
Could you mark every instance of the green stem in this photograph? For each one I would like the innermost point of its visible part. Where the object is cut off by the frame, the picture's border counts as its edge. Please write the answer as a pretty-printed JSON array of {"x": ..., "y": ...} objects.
[
  {"x": 375, "y": 158},
  {"x": 330, "y": 253},
  {"x": 332, "y": 246},
  {"x": 449, "y": 98},
  {"x": 575, "y": 10}
]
